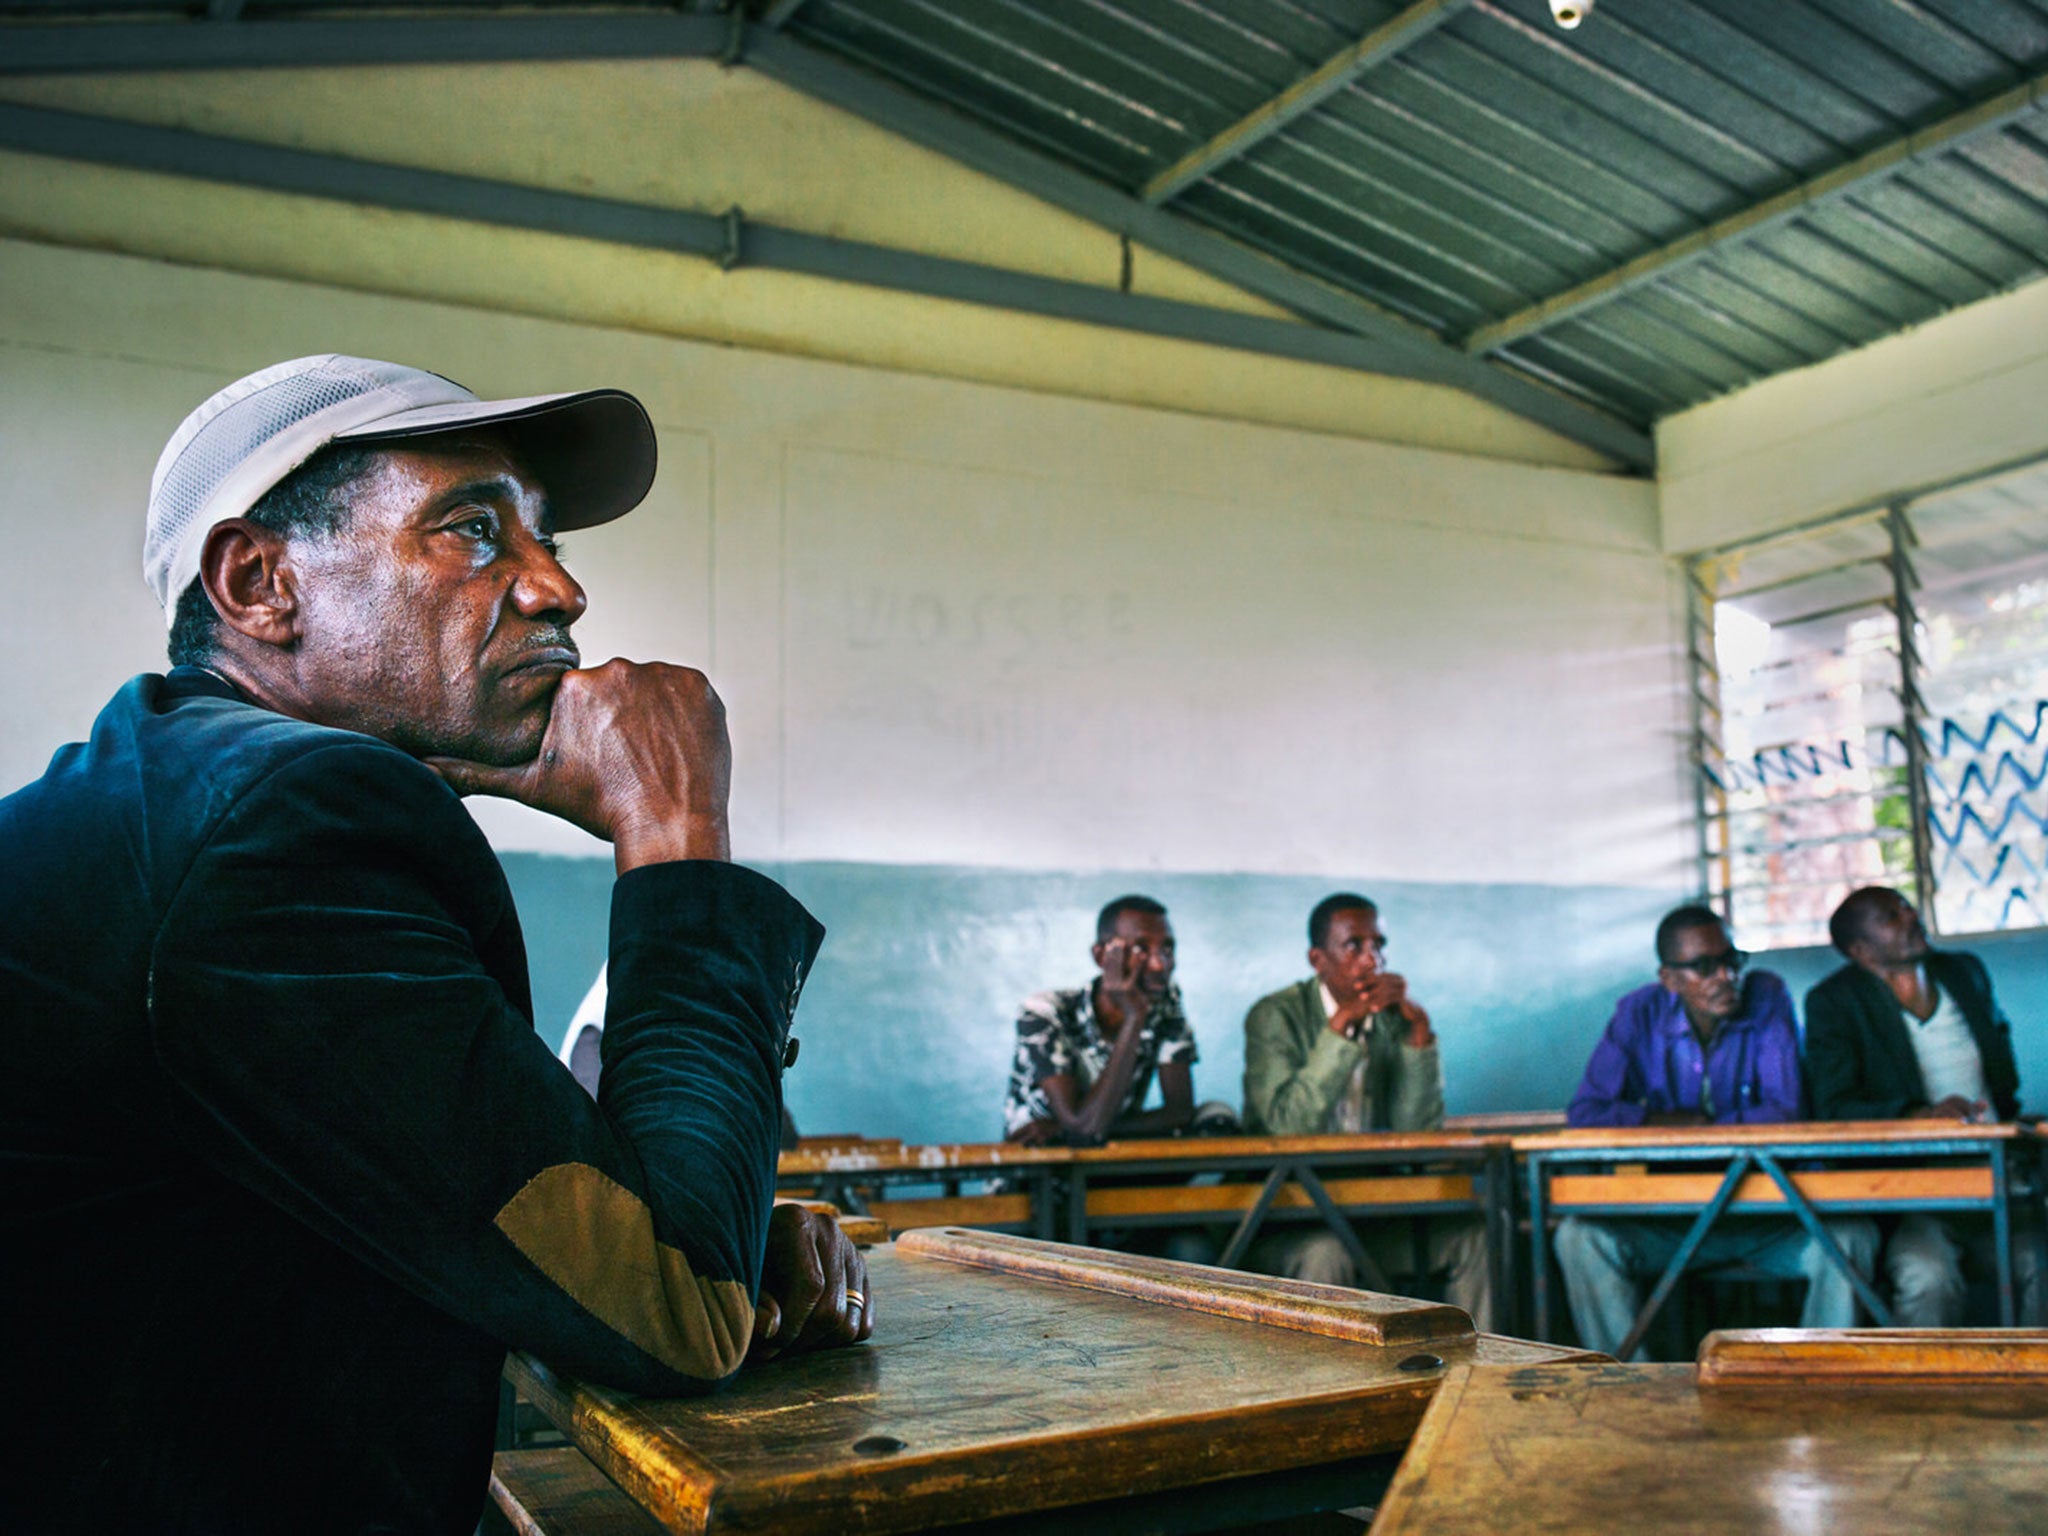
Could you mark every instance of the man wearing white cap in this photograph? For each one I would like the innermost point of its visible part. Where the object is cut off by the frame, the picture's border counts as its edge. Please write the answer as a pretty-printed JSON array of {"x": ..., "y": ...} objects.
[{"x": 284, "y": 1168}]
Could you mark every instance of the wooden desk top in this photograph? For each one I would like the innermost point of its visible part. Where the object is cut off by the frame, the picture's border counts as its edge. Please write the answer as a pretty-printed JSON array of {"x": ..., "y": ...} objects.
[
  {"x": 1215, "y": 1148},
  {"x": 1501, "y": 1120},
  {"x": 1007, "y": 1376},
  {"x": 894, "y": 1157},
  {"x": 845, "y": 1156},
  {"x": 1647, "y": 1138},
  {"x": 1774, "y": 1433}
]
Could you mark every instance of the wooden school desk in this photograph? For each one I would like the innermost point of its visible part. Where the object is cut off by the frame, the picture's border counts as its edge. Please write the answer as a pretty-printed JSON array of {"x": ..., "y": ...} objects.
[
  {"x": 1007, "y": 1378},
  {"x": 848, "y": 1171},
  {"x": 1772, "y": 1433},
  {"x": 1334, "y": 1179},
  {"x": 1707, "y": 1172}
]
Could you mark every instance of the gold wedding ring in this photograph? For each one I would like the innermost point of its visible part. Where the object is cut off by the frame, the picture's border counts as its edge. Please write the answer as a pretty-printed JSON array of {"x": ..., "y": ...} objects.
[{"x": 855, "y": 1298}]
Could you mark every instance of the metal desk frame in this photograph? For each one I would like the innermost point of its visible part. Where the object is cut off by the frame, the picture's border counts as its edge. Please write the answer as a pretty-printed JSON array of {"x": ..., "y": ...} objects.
[
  {"x": 1491, "y": 1168},
  {"x": 1769, "y": 1157}
]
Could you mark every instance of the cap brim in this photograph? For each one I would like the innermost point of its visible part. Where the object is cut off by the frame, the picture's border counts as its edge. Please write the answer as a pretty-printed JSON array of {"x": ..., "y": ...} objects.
[{"x": 593, "y": 452}]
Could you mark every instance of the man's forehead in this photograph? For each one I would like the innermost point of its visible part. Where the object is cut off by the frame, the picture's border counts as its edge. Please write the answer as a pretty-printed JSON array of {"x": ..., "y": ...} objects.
[
  {"x": 1885, "y": 907},
  {"x": 1699, "y": 939},
  {"x": 473, "y": 465},
  {"x": 1360, "y": 920},
  {"x": 1139, "y": 925}
]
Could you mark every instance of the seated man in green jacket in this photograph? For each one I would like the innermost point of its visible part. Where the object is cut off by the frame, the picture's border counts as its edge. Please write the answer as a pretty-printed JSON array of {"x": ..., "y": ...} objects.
[{"x": 1348, "y": 1049}]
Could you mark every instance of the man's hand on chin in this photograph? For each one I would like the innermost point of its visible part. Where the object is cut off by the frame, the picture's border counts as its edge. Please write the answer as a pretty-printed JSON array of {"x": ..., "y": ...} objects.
[
  {"x": 635, "y": 753},
  {"x": 814, "y": 1286}
]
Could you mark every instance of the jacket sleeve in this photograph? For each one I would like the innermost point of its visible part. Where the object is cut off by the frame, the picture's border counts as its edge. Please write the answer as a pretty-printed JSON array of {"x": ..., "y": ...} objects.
[
  {"x": 1289, "y": 1091},
  {"x": 322, "y": 1003},
  {"x": 2001, "y": 1067},
  {"x": 1414, "y": 1078},
  {"x": 1609, "y": 1093},
  {"x": 1777, "y": 1066},
  {"x": 1837, "y": 1059}
]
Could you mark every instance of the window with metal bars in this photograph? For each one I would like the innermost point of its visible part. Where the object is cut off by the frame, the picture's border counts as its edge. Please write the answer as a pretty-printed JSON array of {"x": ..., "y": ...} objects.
[{"x": 1870, "y": 707}]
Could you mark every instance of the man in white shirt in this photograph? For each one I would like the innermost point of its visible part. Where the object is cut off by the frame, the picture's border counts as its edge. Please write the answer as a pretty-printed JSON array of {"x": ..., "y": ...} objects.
[
  {"x": 1904, "y": 1031},
  {"x": 581, "y": 1044}
]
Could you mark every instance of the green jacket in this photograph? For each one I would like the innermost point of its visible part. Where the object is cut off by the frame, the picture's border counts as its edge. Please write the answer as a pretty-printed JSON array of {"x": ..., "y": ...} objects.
[{"x": 1296, "y": 1069}]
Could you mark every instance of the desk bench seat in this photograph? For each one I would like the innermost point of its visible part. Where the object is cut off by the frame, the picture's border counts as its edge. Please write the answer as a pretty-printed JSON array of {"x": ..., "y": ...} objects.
[
  {"x": 558, "y": 1492},
  {"x": 1389, "y": 1193}
]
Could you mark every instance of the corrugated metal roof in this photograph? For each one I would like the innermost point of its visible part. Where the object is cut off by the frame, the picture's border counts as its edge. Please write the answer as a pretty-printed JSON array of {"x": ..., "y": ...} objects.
[
  {"x": 1676, "y": 198},
  {"x": 1496, "y": 161}
]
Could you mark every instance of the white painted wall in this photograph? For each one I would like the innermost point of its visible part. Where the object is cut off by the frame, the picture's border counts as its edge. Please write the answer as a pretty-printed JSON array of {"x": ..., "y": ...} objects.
[
  {"x": 954, "y": 622},
  {"x": 1958, "y": 396}
]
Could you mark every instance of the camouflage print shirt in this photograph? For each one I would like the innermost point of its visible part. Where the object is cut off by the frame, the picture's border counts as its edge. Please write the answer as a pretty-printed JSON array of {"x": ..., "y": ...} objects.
[{"x": 1057, "y": 1034}]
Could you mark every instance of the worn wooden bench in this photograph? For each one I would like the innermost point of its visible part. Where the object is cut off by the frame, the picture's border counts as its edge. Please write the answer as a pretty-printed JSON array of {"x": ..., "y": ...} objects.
[{"x": 558, "y": 1492}]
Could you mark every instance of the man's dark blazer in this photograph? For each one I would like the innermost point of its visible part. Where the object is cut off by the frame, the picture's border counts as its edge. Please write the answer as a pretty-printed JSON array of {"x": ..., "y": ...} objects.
[
  {"x": 1859, "y": 1059},
  {"x": 284, "y": 1167}
]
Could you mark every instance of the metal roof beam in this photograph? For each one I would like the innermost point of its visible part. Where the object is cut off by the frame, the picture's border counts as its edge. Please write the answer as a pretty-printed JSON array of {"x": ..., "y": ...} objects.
[
  {"x": 729, "y": 239},
  {"x": 1884, "y": 161},
  {"x": 1384, "y": 343},
  {"x": 81, "y": 46},
  {"x": 1304, "y": 96},
  {"x": 1400, "y": 349}
]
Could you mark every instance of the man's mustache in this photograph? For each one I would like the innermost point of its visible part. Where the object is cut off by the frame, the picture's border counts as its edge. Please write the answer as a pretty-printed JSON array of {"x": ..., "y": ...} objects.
[{"x": 552, "y": 640}]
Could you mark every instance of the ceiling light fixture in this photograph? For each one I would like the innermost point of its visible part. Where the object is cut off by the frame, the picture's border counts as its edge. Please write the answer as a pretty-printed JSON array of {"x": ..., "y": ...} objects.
[{"x": 1569, "y": 13}]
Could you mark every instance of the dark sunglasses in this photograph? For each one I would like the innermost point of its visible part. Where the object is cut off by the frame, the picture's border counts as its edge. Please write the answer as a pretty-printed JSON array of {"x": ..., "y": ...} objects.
[{"x": 1730, "y": 960}]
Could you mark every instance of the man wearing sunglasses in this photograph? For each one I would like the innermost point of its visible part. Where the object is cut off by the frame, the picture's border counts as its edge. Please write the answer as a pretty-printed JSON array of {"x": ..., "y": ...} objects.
[
  {"x": 1703, "y": 1045},
  {"x": 1905, "y": 1031}
]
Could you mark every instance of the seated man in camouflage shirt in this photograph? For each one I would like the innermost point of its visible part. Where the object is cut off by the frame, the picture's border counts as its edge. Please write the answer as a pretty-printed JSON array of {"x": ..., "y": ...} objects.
[{"x": 1086, "y": 1055}]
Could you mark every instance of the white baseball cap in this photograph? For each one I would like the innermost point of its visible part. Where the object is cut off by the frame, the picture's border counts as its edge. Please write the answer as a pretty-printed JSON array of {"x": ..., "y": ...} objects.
[{"x": 593, "y": 451}]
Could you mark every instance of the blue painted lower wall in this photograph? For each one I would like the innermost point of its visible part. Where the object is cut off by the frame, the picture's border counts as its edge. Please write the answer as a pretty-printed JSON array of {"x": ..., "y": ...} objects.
[{"x": 907, "y": 1021}]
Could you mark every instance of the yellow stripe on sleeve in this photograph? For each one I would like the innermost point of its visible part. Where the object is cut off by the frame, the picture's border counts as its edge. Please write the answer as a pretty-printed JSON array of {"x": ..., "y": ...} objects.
[{"x": 595, "y": 1239}]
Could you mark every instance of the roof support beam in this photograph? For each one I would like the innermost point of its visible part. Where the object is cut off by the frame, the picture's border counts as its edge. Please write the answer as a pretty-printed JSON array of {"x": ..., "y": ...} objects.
[
  {"x": 1399, "y": 348},
  {"x": 728, "y": 239},
  {"x": 1384, "y": 343},
  {"x": 1304, "y": 96},
  {"x": 1886, "y": 160},
  {"x": 78, "y": 47}
]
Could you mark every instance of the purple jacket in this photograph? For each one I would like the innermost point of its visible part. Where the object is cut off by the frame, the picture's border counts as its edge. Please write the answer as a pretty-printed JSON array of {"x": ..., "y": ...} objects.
[{"x": 1649, "y": 1060}]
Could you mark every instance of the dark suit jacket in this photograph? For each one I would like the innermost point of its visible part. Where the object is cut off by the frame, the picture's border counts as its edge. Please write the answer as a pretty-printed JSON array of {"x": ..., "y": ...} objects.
[
  {"x": 1859, "y": 1059},
  {"x": 284, "y": 1167}
]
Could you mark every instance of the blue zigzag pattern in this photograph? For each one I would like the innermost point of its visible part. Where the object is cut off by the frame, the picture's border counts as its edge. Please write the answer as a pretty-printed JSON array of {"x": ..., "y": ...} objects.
[
  {"x": 1953, "y": 732},
  {"x": 1789, "y": 765},
  {"x": 2008, "y": 855},
  {"x": 2026, "y": 779},
  {"x": 1998, "y": 786},
  {"x": 1968, "y": 817}
]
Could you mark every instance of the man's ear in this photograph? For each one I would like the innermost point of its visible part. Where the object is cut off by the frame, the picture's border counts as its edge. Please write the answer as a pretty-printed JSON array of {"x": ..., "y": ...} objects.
[
  {"x": 1095, "y": 952},
  {"x": 250, "y": 580}
]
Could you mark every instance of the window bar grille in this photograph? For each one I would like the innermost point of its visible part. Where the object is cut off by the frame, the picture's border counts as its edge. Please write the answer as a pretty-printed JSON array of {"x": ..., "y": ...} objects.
[
  {"x": 1914, "y": 706},
  {"x": 1709, "y": 798}
]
